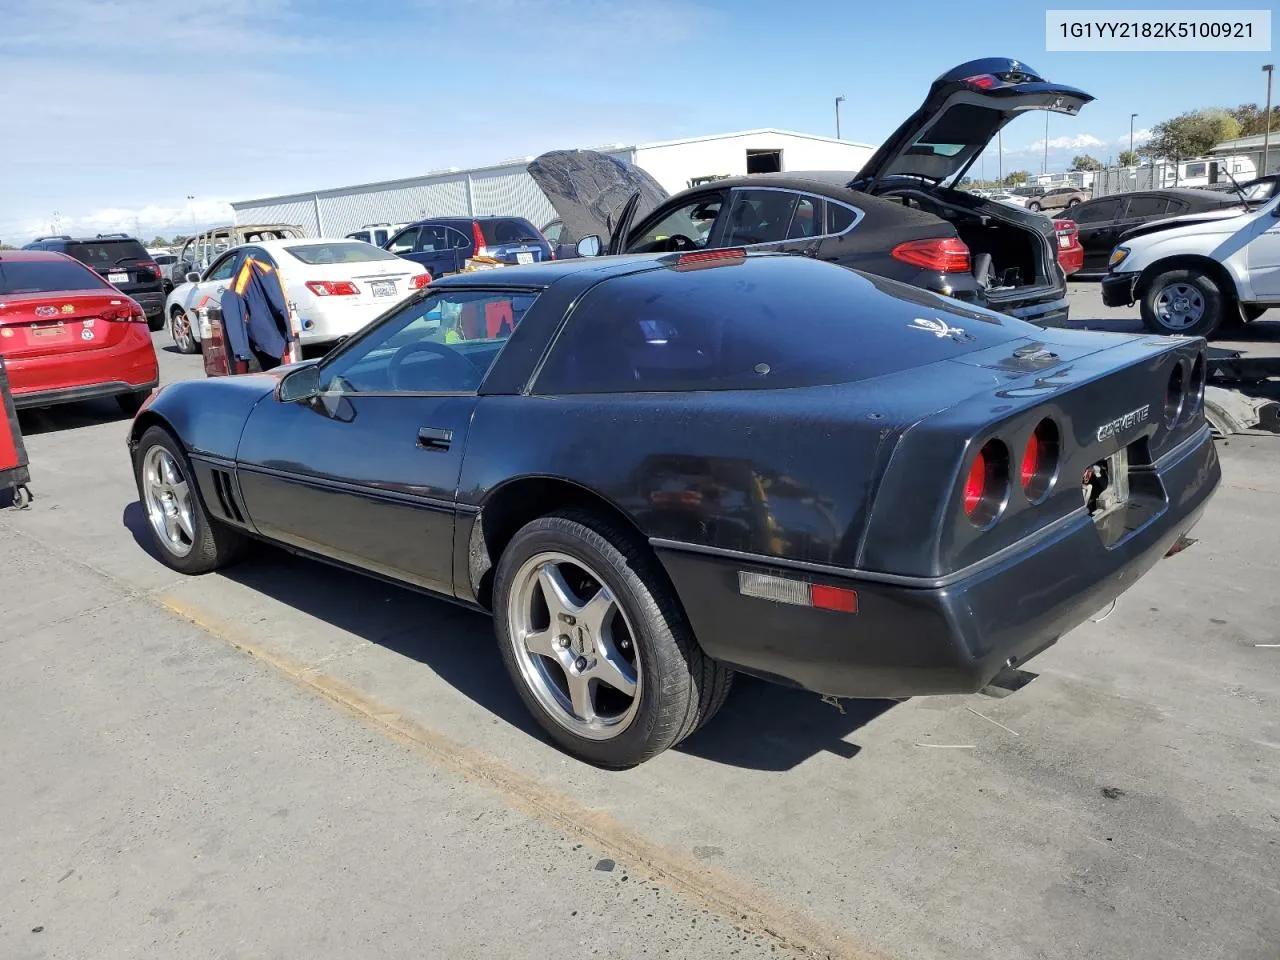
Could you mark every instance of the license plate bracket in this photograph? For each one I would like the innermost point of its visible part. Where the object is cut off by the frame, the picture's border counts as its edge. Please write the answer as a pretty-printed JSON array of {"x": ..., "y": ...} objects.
[
  {"x": 383, "y": 288},
  {"x": 524, "y": 256}
]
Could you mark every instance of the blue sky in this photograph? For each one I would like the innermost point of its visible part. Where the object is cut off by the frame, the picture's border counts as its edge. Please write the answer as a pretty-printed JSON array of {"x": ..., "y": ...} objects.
[{"x": 117, "y": 110}]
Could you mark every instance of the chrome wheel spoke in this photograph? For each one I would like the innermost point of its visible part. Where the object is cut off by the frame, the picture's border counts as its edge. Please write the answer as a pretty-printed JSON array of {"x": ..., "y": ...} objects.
[
  {"x": 542, "y": 643},
  {"x": 616, "y": 672},
  {"x": 559, "y": 598},
  {"x": 595, "y": 613},
  {"x": 584, "y": 707}
]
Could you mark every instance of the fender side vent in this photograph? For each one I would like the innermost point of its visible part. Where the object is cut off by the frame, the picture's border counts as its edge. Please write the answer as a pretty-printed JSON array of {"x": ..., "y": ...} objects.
[{"x": 226, "y": 492}]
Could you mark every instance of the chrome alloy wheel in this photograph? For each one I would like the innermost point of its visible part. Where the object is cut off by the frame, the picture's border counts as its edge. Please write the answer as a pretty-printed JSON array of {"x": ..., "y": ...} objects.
[
  {"x": 180, "y": 330},
  {"x": 168, "y": 501},
  {"x": 1178, "y": 306},
  {"x": 574, "y": 645}
]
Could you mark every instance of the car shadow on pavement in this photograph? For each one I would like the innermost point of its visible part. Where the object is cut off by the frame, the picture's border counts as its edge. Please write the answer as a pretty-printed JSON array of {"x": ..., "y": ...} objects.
[
  {"x": 68, "y": 416},
  {"x": 763, "y": 726}
]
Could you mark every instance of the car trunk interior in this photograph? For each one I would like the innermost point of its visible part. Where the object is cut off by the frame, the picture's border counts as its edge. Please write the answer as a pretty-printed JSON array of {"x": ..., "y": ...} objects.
[{"x": 1009, "y": 259}]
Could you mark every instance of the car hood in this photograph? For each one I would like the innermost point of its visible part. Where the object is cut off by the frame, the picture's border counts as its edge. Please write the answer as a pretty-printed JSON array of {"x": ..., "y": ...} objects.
[
  {"x": 964, "y": 110},
  {"x": 1186, "y": 220},
  {"x": 589, "y": 189}
]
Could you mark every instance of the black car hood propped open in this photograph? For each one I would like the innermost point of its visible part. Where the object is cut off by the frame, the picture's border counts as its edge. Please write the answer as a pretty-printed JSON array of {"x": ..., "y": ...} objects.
[
  {"x": 589, "y": 189},
  {"x": 965, "y": 108}
]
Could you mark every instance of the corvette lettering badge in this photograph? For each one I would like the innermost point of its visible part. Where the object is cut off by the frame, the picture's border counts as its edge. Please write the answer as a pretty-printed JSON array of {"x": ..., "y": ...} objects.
[
  {"x": 1131, "y": 419},
  {"x": 941, "y": 329}
]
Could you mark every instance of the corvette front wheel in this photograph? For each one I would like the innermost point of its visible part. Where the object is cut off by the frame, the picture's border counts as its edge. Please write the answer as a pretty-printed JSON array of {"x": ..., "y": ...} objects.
[{"x": 596, "y": 642}]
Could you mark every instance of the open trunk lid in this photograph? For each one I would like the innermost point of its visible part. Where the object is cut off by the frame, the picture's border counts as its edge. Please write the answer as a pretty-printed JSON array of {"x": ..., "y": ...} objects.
[
  {"x": 964, "y": 110},
  {"x": 589, "y": 189}
]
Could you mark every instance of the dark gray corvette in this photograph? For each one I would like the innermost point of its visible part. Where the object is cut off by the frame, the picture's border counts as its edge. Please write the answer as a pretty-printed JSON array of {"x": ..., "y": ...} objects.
[{"x": 658, "y": 470}]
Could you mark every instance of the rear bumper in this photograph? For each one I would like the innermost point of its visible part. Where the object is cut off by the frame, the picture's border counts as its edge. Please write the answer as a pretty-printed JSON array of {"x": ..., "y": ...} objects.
[
  {"x": 1118, "y": 289},
  {"x": 152, "y": 303},
  {"x": 128, "y": 367},
  {"x": 1049, "y": 312},
  {"x": 952, "y": 636}
]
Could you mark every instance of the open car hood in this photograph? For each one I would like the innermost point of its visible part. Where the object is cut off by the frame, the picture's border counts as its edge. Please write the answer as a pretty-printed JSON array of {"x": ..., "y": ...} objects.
[
  {"x": 965, "y": 108},
  {"x": 589, "y": 190}
]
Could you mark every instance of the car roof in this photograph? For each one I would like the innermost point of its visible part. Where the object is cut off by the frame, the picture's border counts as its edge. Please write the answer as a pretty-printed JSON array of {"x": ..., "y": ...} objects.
[
  {"x": 547, "y": 272},
  {"x": 16, "y": 255}
]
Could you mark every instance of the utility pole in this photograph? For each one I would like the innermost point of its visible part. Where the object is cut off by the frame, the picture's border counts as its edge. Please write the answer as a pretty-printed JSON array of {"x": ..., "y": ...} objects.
[
  {"x": 1000, "y": 160},
  {"x": 839, "y": 100},
  {"x": 1132, "y": 116},
  {"x": 1267, "y": 68}
]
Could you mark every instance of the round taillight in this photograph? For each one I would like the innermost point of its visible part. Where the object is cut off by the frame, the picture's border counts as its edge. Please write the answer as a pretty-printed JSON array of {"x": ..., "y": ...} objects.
[
  {"x": 1195, "y": 392},
  {"x": 1175, "y": 394},
  {"x": 1040, "y": 460},
  {"x": 986, "y": 485}
]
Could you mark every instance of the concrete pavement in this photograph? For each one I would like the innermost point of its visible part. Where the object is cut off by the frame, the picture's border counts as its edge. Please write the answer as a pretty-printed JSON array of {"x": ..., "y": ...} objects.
[{"x": 1125, "y": 804}]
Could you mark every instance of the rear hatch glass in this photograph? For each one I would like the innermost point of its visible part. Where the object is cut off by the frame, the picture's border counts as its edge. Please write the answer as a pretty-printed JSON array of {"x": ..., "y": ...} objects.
[
  {"x": 513, "y": 240},
  {"x": 316, "y": 254},
  {"x": 120, "y": 261}
]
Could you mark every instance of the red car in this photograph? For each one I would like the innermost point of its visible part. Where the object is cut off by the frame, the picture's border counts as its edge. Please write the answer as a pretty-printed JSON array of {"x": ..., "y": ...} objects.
[
  {"x": 66, "y": 334},
  {"x": 1070, "y": 251}
]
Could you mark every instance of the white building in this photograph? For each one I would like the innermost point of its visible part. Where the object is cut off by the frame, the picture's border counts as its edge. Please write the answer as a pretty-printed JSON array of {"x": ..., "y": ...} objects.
[{"x": 507, "y": 188}]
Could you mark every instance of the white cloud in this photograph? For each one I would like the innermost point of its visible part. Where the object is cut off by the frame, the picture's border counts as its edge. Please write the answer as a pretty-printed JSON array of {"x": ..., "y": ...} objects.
[
  {"x": 1081, "y": 141},
  {"x": 1139, "y": 137}
]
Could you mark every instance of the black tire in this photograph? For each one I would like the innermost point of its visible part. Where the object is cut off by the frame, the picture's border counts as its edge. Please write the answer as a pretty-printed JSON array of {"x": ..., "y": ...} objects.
[
  {"x": 1034, "y": 207},
  {"x": 1073, "y": 202},
  {"x": 214, "y": 545},
  {"x": 1211, "y": 310},
  {"x": 683, "y": 688},
  {"x": 131, "y": 403},
  {"x": 156, "y": 323}
]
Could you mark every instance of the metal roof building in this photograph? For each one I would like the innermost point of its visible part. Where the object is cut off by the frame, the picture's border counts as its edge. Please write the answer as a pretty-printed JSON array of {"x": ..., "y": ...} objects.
[{"x": 507, "y": 188}]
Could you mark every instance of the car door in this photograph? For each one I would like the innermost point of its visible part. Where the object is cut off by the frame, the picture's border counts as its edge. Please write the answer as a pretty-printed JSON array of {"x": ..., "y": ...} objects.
[
  {"x": 366, "y": 472},
  {"x": 1263, "y": 256},
  {"x": 1097, "y": 221},
  {"x": 404, "y": 243},
  {"x": 436, "y": 250}
]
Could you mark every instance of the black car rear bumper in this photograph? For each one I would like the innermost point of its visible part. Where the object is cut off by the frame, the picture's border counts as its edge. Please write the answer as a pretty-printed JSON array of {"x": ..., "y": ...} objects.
[
  {"x": 949, "y": 636},
  {"x": 1118, "y": 289},
  {"x": 152, "y": 303}
]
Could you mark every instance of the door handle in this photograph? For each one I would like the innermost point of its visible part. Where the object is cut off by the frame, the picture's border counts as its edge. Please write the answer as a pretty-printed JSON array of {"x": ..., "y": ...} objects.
[{"x": 434, "y": 438}]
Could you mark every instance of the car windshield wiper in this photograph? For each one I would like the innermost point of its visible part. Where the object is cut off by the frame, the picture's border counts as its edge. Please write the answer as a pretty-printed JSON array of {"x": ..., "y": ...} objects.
[{"x": 116, "y": 263}]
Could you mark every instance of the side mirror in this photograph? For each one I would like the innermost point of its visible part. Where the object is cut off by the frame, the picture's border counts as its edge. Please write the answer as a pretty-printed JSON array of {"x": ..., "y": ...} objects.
[
  {"x": 589, "y": 246},
  {"x": 301, "y": 384},
  {"x": 193, "y": 277}
]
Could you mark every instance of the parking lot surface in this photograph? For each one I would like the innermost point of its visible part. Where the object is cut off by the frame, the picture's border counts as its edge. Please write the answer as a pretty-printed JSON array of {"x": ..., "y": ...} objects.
[{"x": 289, "y": 760}]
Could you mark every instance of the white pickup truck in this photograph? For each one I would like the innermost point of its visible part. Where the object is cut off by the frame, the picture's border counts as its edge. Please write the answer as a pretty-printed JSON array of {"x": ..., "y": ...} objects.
[{"x": 1194, "y": 274}]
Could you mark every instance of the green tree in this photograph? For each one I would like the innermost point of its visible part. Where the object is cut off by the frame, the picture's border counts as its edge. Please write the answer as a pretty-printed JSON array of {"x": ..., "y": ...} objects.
[
  {"x": 1191, "y": 134},
  {"x": 1085, "y": 162},
  {"x": 1128, "y": 158},
  {"x": 1016, "y": 178},
  {"x": 1252, "y": 119}
]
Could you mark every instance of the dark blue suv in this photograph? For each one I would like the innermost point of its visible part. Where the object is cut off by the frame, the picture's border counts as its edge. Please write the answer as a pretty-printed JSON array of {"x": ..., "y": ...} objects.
[{"x": 443, "y": 244}]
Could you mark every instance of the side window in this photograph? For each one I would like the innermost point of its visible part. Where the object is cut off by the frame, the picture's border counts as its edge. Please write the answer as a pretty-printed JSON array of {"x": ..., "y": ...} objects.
[
  {"x": 359, "y": 235},
  {"x": 224, "y": 268},
  {"x": 839, "y": 217},
  {"x": 1096, "y": 212},
  {"x": 1146, "y": 207},
  {"x": 1176, "y": 207},
  {"x": 404, "y": 241},
  {"x": 443, "y": 344},
  {"x": 691, "y": 222},
  {"x": 379, "y": 237},
  {"x": 1196, "y": 170},
  {"x": 806, "y": 221},
  {"x": 434, "y": 239},
  {"x": 760, "y": 216},
  {"x": 458, "y": 240}
]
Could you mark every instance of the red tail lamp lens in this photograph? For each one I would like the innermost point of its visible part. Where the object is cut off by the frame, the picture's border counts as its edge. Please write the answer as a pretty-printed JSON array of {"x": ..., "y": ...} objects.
[
  {"x": 1040, "y": 460},
  {"x": 943, "y": 254},
  {"x": 986, "y": 486},
  {"x": 975, "y": 484}
]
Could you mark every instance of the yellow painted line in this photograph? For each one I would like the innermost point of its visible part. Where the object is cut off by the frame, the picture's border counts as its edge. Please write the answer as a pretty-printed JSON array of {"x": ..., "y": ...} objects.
[{"x": 747, "y": 907}]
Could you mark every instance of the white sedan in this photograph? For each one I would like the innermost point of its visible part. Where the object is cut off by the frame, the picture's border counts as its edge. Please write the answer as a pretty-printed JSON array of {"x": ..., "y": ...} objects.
[{"x": 334, "y": 287}]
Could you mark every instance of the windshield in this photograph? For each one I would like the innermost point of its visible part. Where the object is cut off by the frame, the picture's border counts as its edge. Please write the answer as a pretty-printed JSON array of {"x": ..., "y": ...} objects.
[
  {"x": 338, "y": 252},
  {"x": 45, "y": 276},
  {"x": 107, "y": 253}
]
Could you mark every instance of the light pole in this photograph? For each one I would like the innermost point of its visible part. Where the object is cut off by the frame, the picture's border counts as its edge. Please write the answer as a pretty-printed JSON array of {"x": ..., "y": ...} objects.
[
  {"x": 839, "y": 100},
  {"x": 1267, "y": 68},
  {"x": 191, "y": 209},
  {"x": 1000, "y": 152},
  {"x": 1132, "y": 117}
]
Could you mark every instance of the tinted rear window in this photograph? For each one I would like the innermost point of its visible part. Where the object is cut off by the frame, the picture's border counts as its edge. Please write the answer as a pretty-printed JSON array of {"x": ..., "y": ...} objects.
[
  {"x": 107, "y": 253},
  {"x": 769, "y": 323},
  {"x": 45, "y": 276},
  {"x": 317, "y": 253},
  {"x": 509, "y": 230}
]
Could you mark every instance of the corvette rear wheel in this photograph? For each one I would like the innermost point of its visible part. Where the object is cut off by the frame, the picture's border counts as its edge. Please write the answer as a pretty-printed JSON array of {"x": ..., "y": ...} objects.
[
  {"x": 596, "y": 642},
  {"x": 187, "y": 538}
]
